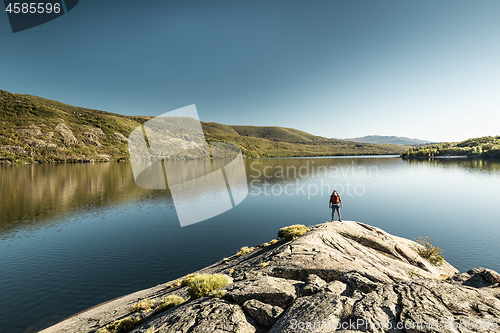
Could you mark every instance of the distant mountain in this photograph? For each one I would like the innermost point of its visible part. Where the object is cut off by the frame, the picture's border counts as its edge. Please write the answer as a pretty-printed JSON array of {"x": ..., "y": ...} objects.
[
  {"x": 39, "y": 130},
  {"x": 395, "y": 140}
]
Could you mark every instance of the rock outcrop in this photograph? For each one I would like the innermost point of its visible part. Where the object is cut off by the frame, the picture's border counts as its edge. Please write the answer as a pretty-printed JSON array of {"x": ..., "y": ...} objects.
[
  {"x": 67, "y": 134},
  {"x": 345, "y": 277}
]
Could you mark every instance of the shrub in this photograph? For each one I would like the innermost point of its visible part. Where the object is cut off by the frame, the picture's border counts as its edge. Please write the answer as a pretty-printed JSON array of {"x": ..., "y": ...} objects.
[
  {"x": 429, "y": 252},
  {"x": 203, "y": 284},
  {"x": 293, "y": 231},
  {"x": 264, "y": 264},
  {"x": 274, "y": 241},
  {"x": 244, "y": 250},
  {"x": 169, "y": 302},
  {"x": 188, "y": 279},
  {"x": 145, "y": 304},
  {"x": 120, "y": 326},
  {"x": 218, "y": 293}
]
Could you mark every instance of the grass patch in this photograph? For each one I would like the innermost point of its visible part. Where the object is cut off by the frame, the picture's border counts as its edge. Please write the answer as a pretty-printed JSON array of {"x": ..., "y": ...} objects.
[
  {"x": 264, "y": 264},
  {"x": 274, "y": 241},
  {"x": 145, "y": 304},
  {"x": 203, "y": 284},
  {"x": 218, "y": 293},
  {"x": 120, "y": 326},
  {"x": 244, "y": 250},
  {"x": 411, "y": 273},
  {"x": 293, "y": 231},
  {"x": 430, "y": 252},
  {"x": 176, "y": 283},
  {"x": 167, "y": 303}
]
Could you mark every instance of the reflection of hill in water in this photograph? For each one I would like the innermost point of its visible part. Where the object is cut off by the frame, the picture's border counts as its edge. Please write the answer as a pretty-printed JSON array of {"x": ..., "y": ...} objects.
[
  {"x": 35, "y": 194},
  {"x": 473, "y": 165}
]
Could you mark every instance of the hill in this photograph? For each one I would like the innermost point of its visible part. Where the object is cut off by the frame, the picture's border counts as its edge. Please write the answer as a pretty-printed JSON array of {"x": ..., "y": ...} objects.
[
  {"x": 483, "y": 147},
  {"x": 395, "y": 140},
  {"x": 39, "y": 130},
  {"x": 342, "y": 277}
]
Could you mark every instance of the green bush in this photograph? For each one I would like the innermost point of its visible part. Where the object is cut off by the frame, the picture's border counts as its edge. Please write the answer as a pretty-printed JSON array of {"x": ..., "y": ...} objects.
[
  {"x": 429, "y": 252},
  {"x": 244, "y": 250},
  {"x": 292, "y": 231},
  {"x": 203, "y": 284},
  {"x": 169, "y": 302},
  {"x": 145, "y": 304},
  {"x": 120, "y": 326}
]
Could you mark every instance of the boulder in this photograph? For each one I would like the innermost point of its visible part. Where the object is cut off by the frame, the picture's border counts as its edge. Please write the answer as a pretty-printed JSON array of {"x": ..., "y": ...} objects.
[
  {"x": 91, "y": 139},
  {"x": 205, "y": 315},
  {"x": 264, "y": 314},
  {"x": 67, "y": 134},
  {"x": 13, "y": 149},
  {"x": 32, "y": 130},
  {"x": 477, "y": 277},
  {"x": 313, "y": 284},
  {"x": 267, "y": 289},
  {"x": 120, "y": 137}
]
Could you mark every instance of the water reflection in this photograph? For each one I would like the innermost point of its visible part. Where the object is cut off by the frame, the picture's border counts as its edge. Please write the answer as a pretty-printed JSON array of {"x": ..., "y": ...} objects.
[
  {"x": 114, "y": 231},
  {"x": 473, "y": 165},
  {"x": 33, "y": 195}
]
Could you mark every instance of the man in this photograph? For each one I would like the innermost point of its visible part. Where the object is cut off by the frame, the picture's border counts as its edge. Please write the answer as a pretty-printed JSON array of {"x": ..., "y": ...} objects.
[{"x": 335, "y": 204}]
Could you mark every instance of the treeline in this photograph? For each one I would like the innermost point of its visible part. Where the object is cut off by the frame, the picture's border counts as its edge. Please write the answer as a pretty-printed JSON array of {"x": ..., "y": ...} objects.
[{"x": 484, "y": 147}]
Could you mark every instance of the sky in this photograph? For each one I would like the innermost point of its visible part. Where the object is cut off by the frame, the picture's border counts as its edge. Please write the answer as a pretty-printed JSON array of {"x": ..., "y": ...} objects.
[{"x": 340, "y": 69}]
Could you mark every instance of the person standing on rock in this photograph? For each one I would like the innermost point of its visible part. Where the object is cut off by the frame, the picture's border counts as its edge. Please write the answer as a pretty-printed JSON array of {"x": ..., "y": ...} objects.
[{"x": 335, "y": 204}]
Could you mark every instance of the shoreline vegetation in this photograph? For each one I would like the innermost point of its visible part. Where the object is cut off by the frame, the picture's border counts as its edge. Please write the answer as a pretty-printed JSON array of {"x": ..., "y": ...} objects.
[
  {"x": 483, "y": 147},
  {"x": 350, "y": 273},
  {"x": 39, "y": 130}
]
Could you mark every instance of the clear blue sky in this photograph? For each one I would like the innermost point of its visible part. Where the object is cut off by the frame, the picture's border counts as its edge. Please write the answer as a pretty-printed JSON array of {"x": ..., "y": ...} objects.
[{"x": 422, "y": 69}]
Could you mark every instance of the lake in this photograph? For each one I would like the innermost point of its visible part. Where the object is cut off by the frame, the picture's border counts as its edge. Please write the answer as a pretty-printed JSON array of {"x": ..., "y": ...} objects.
[{"x": 73, "y": 236}]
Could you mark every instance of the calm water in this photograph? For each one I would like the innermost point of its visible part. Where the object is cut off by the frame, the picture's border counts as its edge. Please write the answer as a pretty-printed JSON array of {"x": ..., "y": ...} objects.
[{"x": 72, "y": 236}]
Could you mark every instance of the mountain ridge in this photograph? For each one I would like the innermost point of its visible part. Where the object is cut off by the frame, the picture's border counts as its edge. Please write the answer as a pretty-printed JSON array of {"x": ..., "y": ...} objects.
[
  {"x": 39, "y": 130},
  {"x": 397, "y": 140}
]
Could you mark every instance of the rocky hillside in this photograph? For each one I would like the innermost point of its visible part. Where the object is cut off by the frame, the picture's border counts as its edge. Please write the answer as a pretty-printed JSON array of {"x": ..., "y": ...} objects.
[
  {"x": 38, "y": 130},
  {"x": 346, "y": 277}
]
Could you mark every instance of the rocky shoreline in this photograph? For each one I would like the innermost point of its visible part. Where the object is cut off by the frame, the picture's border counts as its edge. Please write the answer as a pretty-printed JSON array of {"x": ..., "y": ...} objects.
[{"x": 344, "y": 277}]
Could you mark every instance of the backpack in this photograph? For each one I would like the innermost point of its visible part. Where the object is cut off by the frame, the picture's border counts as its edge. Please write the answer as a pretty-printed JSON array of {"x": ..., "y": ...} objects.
[{"x": 334, "y": 199}]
